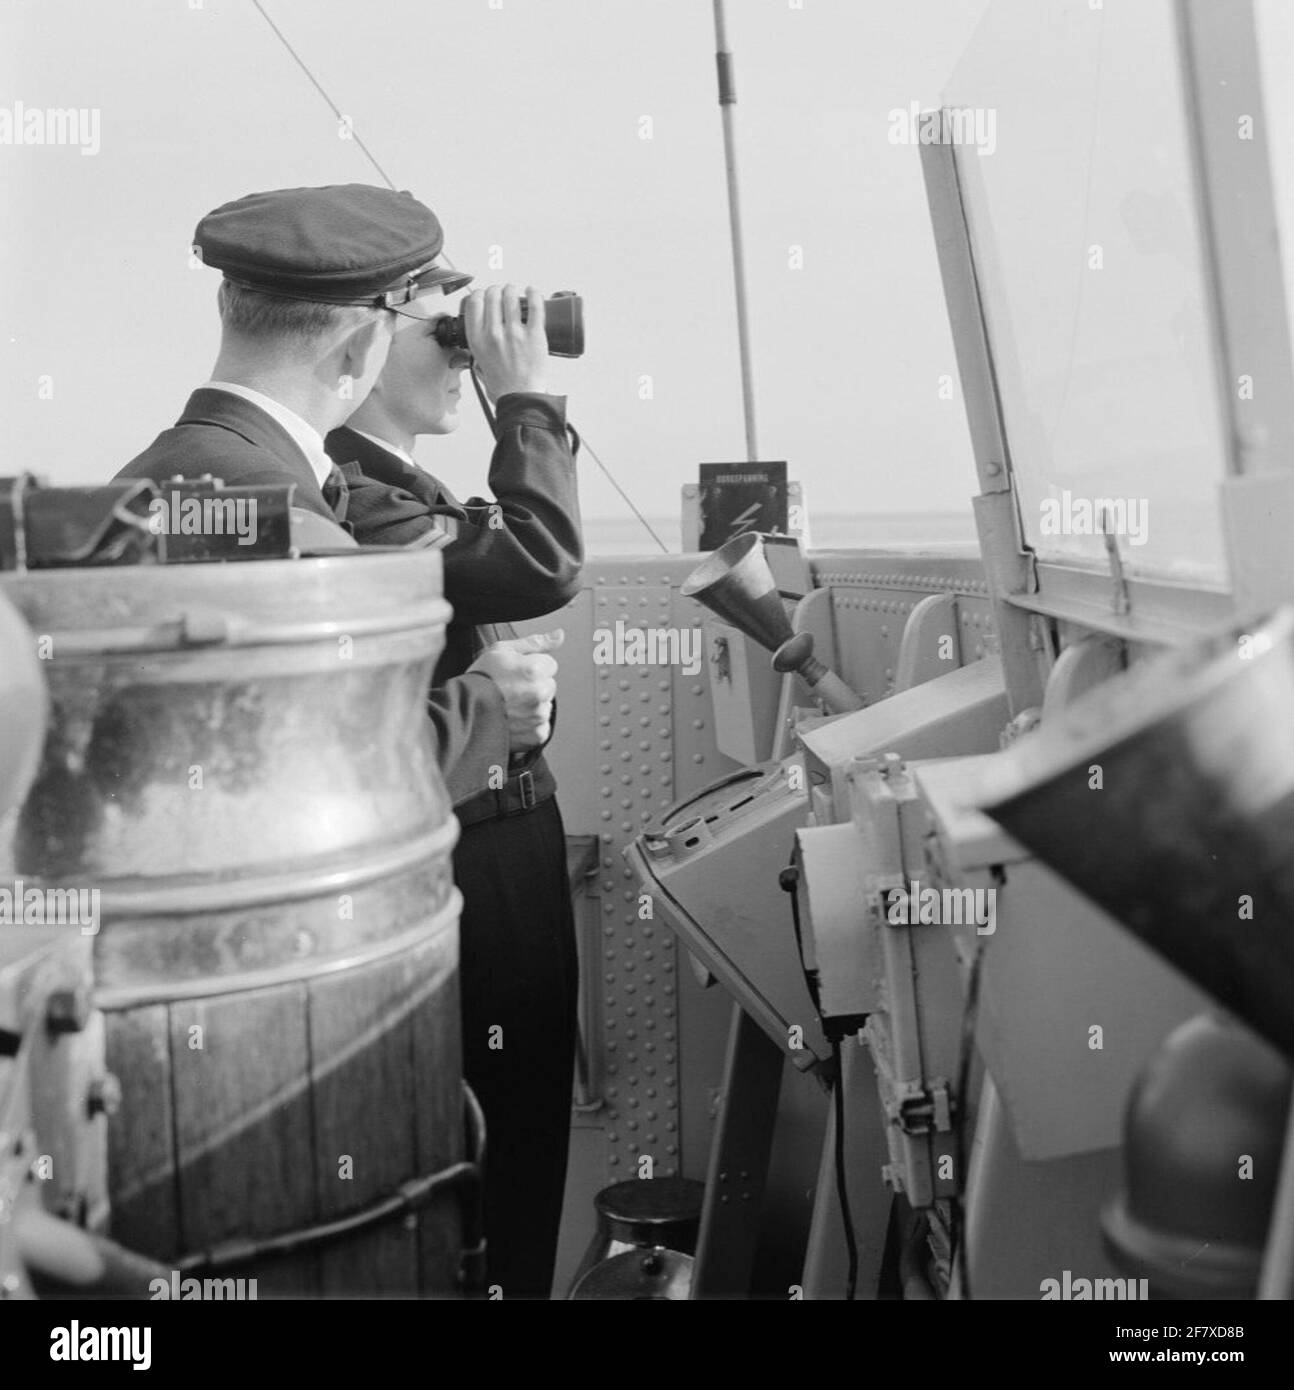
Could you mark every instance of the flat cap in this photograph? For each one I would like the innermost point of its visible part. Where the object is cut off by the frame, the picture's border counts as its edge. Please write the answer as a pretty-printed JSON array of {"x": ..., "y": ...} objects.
[{"x": 347, "y": 243}]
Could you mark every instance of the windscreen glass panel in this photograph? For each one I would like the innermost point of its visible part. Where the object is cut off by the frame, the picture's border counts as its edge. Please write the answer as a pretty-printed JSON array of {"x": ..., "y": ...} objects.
[
  {"x": 1274, "y": 20},
  {"x": 1073, "y": 157}
]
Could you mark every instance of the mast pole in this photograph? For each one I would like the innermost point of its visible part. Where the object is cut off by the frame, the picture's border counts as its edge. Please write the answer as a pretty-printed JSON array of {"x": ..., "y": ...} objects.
[{"x": 727, "y": 100}]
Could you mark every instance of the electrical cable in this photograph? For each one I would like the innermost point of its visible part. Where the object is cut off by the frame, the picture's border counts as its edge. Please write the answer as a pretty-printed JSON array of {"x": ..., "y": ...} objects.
[
  {"x": 842, "y": 1188},
  {"x": 789, "y": 882},
  {"x": 372, "y": 159},
  {"x": 966, "y": 1050}
]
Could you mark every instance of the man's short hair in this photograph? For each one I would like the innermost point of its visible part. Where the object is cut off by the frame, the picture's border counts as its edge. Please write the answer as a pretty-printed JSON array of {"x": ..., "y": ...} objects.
[{"x": 265, "y": 317}]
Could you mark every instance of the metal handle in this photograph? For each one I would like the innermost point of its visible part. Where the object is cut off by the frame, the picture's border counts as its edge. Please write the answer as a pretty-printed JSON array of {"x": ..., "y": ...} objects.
[
  {"x": 835, "y": 694},
  {"x": 588, "y": 1041},
  {"x": 411, "y": 1196}
]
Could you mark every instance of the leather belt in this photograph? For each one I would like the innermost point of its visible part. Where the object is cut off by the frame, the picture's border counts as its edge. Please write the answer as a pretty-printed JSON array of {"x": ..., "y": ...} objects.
[{"x": 522, "y": 792}]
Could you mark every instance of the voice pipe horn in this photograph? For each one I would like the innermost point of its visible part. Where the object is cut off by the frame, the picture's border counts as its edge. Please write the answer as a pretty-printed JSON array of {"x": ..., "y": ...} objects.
[{"x": 736, "y": 584}]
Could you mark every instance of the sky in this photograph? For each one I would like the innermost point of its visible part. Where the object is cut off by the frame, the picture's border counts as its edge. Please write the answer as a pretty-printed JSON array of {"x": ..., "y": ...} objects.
[
  {"x": 576, "y": 141},
  {"x": 521, "y": 122}
]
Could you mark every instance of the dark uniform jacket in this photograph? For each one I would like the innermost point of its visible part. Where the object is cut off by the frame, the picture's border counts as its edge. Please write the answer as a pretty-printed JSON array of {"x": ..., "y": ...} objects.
[
  {"x": 516, "y": 557},
  {"x": 235, "y": 440}
]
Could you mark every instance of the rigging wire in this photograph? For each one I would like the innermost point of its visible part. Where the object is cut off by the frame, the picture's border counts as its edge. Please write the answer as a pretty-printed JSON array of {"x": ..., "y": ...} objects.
[
  {"x": 577, "y": 440},
  {"x": 372, "y": 159},
  {"x": 627, "y": 500},
  {"x": 318, "y": 86}
]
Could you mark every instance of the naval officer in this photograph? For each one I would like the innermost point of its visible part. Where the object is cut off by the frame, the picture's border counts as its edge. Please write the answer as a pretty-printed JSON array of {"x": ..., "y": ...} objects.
[
  {"x": 311, "y": 276},
  {"x": 509, "y": 557}
]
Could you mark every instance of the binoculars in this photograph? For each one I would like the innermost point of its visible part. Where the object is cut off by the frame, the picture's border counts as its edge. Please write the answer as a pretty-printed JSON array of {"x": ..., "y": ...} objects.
[{"x": 563, "y": 326}]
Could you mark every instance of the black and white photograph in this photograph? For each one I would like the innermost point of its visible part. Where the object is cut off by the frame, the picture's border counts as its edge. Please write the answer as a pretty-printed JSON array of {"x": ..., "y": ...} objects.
[{"x": 646, "y": 654}]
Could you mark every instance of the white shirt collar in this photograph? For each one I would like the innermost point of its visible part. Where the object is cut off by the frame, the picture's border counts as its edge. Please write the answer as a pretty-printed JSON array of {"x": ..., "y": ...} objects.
[
  {"x": 304, "y": 436},
  {"x": 387, "y": 445}
]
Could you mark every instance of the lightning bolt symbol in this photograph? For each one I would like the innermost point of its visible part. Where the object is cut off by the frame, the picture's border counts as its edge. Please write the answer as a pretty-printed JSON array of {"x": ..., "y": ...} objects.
[{"x": 743, "y": 521}]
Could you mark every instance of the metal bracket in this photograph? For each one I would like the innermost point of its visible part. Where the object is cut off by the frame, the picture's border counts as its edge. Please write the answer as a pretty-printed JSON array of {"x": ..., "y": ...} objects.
[
  {"x": 922, "y": 1109},
  {"x": 739, "y": 1158},
  {"x": 1122, "y": 600},
  {"x": 721, "y": 659},
  {"x": 930, "y": 624},
  {"x": 463, "y": 1177},
  {"x": 1080, "y": 667},
  {"x": 879, "y": 889}
]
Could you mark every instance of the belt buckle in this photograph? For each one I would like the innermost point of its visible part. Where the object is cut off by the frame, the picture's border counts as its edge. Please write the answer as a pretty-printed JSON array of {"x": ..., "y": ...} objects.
[{"x": 526, "y": 782}]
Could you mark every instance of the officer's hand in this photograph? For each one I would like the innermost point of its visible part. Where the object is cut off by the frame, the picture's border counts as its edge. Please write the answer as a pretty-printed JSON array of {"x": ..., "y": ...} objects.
[
  {"x": 510, "y": 355},
  {"x": 523, "y": 671}
]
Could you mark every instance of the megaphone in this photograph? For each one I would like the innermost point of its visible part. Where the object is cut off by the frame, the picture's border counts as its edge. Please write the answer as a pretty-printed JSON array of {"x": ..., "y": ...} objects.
[{"x": 736, "y": 584}]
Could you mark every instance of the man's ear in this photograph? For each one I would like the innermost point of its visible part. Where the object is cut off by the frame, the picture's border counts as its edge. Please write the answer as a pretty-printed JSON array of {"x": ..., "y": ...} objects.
[{"x": 366, "y": 347}]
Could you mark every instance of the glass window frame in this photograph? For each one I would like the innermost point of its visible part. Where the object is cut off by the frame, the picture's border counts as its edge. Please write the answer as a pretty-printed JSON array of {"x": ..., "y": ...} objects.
[{"x": 1235, "y": 208}]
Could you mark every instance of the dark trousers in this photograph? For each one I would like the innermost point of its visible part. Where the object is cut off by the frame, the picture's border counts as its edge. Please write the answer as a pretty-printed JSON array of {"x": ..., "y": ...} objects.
[{"x": 518, "y": 976}]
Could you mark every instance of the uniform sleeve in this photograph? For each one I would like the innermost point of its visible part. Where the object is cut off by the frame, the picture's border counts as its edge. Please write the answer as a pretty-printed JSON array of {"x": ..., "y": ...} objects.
[
  {"x": 531, "y": 531},
  {"x": 514, "y": 557},
  {"x": 471, "y": 730}
]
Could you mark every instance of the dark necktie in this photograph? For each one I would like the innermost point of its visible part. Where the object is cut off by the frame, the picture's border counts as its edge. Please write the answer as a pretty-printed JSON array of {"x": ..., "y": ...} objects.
[{"x": 336, "y": 492}]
